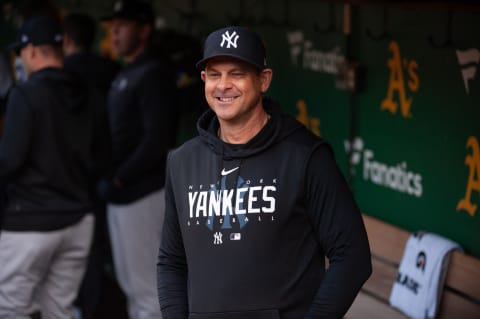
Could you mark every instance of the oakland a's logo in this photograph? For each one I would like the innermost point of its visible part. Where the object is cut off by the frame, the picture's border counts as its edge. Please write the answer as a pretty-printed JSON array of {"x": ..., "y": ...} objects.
[
  {"x": 473, "y": 183},
  {"x": 396, "y": 84}
]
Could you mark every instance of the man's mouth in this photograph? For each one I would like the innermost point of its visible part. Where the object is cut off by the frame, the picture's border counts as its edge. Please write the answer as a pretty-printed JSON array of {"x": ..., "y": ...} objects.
[{"x": 225, "y": 99}]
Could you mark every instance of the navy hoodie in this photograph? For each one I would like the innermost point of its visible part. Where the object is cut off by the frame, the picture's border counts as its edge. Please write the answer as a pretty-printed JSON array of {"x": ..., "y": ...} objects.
[
  {"x": 53, "y": 148},
  {"x": 247, "y": 227}
]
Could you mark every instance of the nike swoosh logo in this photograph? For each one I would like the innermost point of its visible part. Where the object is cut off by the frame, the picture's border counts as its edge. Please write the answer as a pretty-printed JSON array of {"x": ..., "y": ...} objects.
[{"x": 224, "y": 172}]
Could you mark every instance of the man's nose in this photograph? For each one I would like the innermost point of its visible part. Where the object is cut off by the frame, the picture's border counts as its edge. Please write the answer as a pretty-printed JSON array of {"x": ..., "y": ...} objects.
[{"x": 224, "y": 82}]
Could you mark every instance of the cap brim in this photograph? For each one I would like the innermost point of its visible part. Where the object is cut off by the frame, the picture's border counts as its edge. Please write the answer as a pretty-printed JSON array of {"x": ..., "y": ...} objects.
[
  {"x": 202, "y": 63},
  {"x": 16, "y": 45}
]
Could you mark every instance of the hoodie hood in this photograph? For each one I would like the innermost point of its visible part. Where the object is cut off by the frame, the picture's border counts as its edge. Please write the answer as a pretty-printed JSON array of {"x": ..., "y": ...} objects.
[
  {"x": 277, "y": 128},
  {"x": 74, "y": 88}
]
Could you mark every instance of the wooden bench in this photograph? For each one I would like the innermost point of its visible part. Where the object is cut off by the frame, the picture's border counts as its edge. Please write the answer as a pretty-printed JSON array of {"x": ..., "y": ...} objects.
[{"x": 461, "y": 293}]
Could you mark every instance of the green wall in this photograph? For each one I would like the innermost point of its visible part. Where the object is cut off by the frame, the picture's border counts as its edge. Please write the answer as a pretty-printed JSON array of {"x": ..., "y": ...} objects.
[{"x": 419, "y": 107}]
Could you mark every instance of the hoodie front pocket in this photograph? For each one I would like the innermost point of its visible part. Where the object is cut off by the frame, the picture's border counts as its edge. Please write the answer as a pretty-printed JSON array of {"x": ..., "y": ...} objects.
[{"x": 252, "y": 314}]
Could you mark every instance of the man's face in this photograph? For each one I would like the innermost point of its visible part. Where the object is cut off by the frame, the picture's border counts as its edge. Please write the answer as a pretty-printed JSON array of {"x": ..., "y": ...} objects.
[
  {"x": 233, "y": 88},
  {"x": 126, "y": 36}
]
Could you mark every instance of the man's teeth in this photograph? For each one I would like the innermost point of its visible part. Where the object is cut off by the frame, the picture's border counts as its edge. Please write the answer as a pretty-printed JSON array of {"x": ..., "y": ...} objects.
[{"x": 226, "y": 99}]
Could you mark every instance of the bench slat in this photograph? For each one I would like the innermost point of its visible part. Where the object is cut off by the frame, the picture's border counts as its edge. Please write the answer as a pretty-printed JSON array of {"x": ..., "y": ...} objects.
[
  {"x": 386, "y": 240},
  {"x": 381, "y": 281},
  {"x": 464, "y": 274},
  {"x": 454, "y": 306}
]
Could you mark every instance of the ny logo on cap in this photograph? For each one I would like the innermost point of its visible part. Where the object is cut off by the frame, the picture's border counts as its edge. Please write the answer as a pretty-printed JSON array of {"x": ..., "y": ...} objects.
[{"x": 231, "y": 39}]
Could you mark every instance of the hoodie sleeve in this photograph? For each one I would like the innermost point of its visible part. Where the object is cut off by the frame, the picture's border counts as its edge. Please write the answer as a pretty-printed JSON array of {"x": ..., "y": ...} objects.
[
  {"x": 341, "y": 234},
  {"x": 158, "y": 114},
  {"x": 172, "y": 271},
  {"x": 17, "y": 134}
]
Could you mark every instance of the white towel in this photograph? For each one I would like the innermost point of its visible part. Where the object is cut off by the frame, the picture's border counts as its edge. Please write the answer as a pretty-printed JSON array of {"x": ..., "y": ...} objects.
[{"x": 421, "y": 275}]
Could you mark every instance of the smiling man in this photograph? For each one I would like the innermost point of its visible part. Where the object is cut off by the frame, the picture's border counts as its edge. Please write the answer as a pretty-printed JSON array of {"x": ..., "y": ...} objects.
[{"x": 254, "y": 204}]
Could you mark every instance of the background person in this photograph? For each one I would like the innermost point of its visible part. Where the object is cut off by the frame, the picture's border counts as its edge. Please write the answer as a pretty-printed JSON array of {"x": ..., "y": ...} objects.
[
  {"x": 143, "y": 125},
  {"x": 50, "y": 155},
  {"x": 79, "y": 30}
]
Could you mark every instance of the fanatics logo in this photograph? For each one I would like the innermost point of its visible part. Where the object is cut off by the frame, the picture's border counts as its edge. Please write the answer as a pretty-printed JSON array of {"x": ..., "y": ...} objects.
[
  {"x": 230, "y": 39},
  {"x": 468, "y": 60},
  {"x": 395, "y": 177}
]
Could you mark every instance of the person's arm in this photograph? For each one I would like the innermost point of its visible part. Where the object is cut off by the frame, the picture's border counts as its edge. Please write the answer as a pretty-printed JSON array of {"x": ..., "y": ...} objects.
[
  {"x": 172, "y": 270},
  {"x": 157, "y": 109},
  {"x": 341, "y": 233},
  {"x": 15, "y": 142}
]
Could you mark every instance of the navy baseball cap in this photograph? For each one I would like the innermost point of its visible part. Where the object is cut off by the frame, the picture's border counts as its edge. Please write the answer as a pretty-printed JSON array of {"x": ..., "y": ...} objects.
[
  {"x": 134, "y": 10},
  {"x": 235, "y": 42},
  {"x": 38, "y": 30}
]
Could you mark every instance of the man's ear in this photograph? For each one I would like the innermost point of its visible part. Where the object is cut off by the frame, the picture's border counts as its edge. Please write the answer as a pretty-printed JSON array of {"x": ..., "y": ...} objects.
[
  {"x": 266, "y": 79},
  {"x": 203, "y": 75}
]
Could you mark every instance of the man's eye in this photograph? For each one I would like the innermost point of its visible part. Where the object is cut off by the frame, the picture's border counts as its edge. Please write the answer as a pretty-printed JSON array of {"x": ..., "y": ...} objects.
[{"x": 238, "y": 74}]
